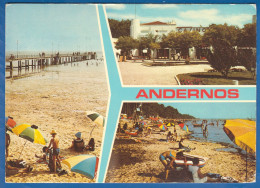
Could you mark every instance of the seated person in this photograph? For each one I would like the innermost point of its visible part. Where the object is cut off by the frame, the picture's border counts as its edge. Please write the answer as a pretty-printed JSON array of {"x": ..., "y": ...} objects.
[
  {"x": 44, "y": 157},
  {"x": 91, "y": 145},
  {"x": 169, "y": 136},
  {"x": 185, "y": 148},
  {"x": 197, "y": 176},
  {"x": 78, "y": 143},
  {"x": 149, "y": 131}
]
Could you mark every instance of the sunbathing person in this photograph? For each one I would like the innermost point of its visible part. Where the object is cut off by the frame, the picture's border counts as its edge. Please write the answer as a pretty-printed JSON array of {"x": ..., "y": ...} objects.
[
  {"x": 78, "y": 143},
  {"x": 185, "y": 148}
]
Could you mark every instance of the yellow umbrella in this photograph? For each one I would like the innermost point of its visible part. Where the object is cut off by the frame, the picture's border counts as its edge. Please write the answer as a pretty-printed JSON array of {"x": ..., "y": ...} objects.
[
  {"x": 242, "y": 133},
  {"x": 30, "y": 132}
]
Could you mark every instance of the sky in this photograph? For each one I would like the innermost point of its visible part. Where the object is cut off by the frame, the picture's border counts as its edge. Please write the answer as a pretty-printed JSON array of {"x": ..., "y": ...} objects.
[
  {"x": 185, "y": 14},
  {"x": 47, "y": 27},
  {"x": 217, "y": 110}
]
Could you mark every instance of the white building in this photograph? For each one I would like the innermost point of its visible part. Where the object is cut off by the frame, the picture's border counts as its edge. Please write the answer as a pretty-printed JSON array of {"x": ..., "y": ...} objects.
[
  {"x": 158, "y": 28},
  {"x": 155, "y": 28}
]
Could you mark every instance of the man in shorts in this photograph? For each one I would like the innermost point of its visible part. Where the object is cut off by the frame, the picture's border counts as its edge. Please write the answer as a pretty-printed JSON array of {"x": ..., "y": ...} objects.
[{"x": 56, "y": 150}]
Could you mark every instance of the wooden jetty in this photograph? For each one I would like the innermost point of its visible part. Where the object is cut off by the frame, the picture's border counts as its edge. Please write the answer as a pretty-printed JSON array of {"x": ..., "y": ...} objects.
[{"x": 40, "y": 61}]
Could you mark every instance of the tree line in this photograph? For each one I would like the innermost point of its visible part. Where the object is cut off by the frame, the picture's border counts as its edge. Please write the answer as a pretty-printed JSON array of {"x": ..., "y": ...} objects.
[
  {"x": 153, "y": 110},
  {"x": 225, "y": 45}
]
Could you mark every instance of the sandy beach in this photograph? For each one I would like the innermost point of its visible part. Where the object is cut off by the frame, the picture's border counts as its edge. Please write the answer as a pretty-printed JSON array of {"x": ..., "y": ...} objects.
[
  {"x": 138, "y": 74},
  {"x": 136, "y": 160},
  {"x": 56, "y": 99}
]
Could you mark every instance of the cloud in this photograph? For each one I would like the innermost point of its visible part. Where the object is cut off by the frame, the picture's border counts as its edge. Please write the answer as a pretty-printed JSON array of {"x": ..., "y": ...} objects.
[
  {"x": 206, "y": 17},
  {"x": 160, "y": 6},
  {"x": 115, "y": 6},
  {"x": 194, "y": 18},
  {"x": 198, "y": 14},
  {"x": 253, "y": 5}
]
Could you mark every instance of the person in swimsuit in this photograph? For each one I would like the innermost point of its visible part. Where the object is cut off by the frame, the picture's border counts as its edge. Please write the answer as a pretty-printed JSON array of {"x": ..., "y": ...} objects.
[
  {"x": 171, "y": 155},
  {"x": 56, "y": 150}
]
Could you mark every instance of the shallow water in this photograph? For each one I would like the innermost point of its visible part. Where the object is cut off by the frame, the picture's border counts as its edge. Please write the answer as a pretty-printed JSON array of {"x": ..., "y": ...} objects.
[
  {"x": 80, "y": 67},
  {"x": 215, "y": 132}
]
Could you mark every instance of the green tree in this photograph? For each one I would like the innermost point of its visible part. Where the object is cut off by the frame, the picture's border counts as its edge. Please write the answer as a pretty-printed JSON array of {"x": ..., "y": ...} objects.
[
  {"x": 247, "y": 36},
  {"x": 126, "y": 44},
  {"x": 119, "y": 28},
  {"x": 182, "y": 40},
  {"x": 149, "y": 42},
  {"x": 222, "y": 39}
]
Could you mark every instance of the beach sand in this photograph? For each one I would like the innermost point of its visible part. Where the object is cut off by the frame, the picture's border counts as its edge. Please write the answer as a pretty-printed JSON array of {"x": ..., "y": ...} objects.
[
  {"x": 138, "y": 162},
  {"x": 138, "y": 74},
  {"x": 56, "y": 99}
]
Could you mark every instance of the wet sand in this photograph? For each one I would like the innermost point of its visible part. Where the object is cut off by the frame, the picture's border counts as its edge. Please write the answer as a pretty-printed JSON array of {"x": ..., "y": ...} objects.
[
  {"x": 56, "y": 99},
  {"x": 138, "y": 74},
  {"x": 138, "y": 162}
]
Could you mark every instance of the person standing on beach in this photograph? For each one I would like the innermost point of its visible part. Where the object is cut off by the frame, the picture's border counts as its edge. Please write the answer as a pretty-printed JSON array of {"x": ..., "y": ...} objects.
[
  {"x": 56, "y": 150},
  {"x": 7, "y": 142}
]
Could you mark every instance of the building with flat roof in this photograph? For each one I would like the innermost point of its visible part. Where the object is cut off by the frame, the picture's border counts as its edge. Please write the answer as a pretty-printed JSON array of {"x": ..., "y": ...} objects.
[
  {"x": 155, "y": 28},
  {"x": 158, "y": 28}
]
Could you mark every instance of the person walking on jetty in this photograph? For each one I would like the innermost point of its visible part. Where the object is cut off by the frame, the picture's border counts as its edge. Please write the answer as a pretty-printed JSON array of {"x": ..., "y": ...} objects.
[
  {"x": 54, "y": 143},
  {"x": 171, "y": 155}
]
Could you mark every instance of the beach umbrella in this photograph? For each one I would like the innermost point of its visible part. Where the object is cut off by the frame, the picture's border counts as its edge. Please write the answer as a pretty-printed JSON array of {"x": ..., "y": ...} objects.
[
  {"x": 181, "y": 124},
  {"x": 169, "y": 124},
  {"x": 186, "y": 128},
  {"x": 83, "y": 164},
  {"x": 162, "y": 127},
  {"x": 10, "y": 122},
  {"x": 242, "y": 133},
  {"x": 30, "y": 133},
  {"x": 96, "y": 118}
]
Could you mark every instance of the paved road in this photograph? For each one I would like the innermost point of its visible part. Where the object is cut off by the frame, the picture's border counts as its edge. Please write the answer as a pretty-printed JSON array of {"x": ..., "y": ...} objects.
[{"x": 138, "y": 74}]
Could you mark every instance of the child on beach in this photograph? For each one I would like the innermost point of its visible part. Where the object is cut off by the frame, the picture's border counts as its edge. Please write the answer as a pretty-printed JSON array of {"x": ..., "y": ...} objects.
[
  {"x": 56, "y": 150},
  {"x": 45, "y": 155}
]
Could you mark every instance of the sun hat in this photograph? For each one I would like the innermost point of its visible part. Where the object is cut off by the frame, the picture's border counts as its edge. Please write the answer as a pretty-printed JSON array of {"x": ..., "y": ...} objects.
[
  {"x": 78, "y": 134},
  {"x": 53, "y": 132}
]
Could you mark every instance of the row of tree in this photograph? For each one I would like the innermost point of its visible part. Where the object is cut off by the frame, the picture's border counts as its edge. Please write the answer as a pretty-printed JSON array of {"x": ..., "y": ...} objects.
[
  {"x": 153, "y": 110},
  {"x": 224, "y": 43}
]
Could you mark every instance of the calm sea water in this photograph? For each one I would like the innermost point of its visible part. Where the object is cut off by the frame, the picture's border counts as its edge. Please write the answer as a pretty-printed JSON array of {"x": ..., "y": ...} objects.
[{"x": 215, "y": 132}]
